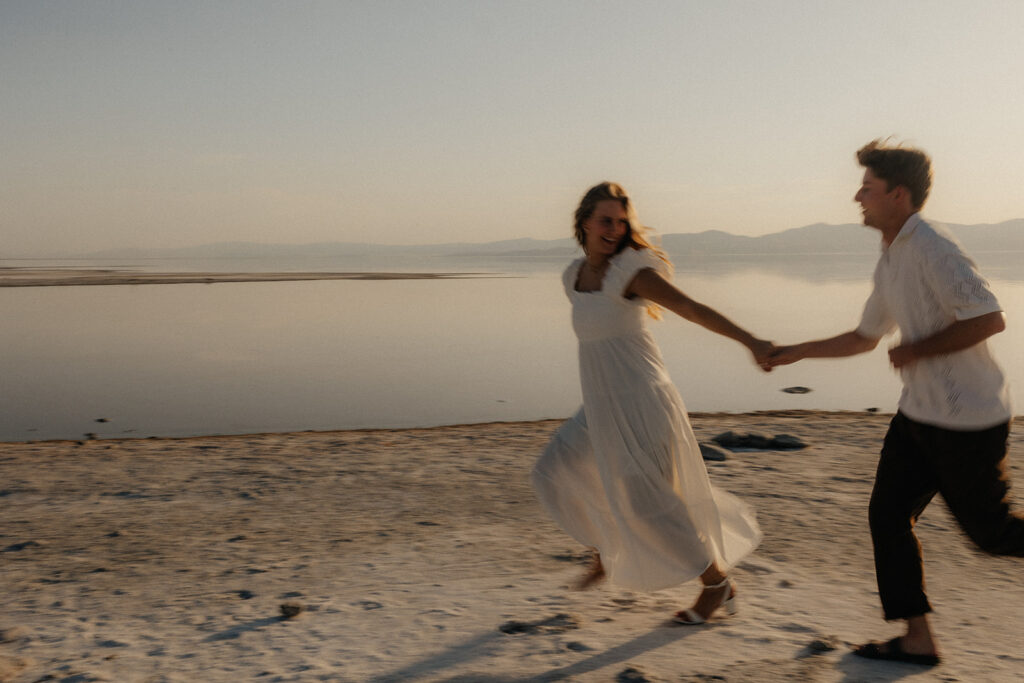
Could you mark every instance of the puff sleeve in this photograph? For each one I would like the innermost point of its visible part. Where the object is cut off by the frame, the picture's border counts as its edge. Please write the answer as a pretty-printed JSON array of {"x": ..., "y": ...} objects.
[{"x": 627, "y": 263}]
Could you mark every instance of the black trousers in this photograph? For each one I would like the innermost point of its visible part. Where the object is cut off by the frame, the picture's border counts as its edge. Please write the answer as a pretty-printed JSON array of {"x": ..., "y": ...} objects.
[{"x": 969, "y": 469}]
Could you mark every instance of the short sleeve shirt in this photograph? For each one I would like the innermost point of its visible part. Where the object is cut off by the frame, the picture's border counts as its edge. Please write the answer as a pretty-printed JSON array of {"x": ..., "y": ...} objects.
[{"x": 923, "y": 283}]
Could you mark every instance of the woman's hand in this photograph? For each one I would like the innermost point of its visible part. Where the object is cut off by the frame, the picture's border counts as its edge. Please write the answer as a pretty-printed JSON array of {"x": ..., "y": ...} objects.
[{"x": 762, "y": 351}]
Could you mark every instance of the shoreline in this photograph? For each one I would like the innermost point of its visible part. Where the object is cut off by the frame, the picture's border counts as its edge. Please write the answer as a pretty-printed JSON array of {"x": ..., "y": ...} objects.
[
  {"x": 699, "y": 415},
  {"x": 423, "y": 555},
  {"x": 56, "y": 277}
]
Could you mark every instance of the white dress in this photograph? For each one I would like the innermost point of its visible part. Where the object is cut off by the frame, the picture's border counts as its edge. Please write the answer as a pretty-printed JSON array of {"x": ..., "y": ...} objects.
[{"x": 625, "y": 473}]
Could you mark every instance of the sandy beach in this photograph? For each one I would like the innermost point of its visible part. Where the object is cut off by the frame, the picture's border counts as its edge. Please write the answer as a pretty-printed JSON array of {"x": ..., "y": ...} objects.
[{"x": 422, "y": 555}]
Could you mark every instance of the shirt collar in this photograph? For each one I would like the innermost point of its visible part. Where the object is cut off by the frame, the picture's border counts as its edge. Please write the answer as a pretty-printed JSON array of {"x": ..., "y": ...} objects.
[{"x": 907, "y": 230}]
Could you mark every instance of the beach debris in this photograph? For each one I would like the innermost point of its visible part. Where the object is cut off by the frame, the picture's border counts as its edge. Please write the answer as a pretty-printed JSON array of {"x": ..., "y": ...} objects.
[
  {"x": 712, "y": 453},
  {"x": 825, "y": 644},
  {"x": 633, "y": 675},
  {"x": 797, "y": 390},
  {"x": 245, "y": 594},
  {"x": 578, "y": 557},
  {"x": 819, "y": 646},
  {"x": 559, "y": 623},
  {"x": 15, "y": 547},
  {"x": 90, "y": 436},
  {"x": 871, "y": 410},
  {"x": 291, "y": 609},
  {"x": 110, "y": 642},
  {"x": 753, "y": 440},
  {"x": 102, "y": 419}
]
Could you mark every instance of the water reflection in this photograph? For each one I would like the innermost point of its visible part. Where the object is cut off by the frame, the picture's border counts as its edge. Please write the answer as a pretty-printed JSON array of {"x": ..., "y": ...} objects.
[{"x": 248, "y": 357}]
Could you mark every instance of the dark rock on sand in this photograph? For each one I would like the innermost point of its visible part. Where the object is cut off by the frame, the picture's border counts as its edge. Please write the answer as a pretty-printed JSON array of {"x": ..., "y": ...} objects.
[
  {"x": 780, "y": 442},
  {"x": 713, "y": 453},
  {"x": 290, "y": 610},
  {"x": 15, "y": 547},
  {"x": 826, "y": 644},
  {"x": 633, "y": 675},
  {"x": 784, "y": 442},
  {"x": 732, "y": 440}
]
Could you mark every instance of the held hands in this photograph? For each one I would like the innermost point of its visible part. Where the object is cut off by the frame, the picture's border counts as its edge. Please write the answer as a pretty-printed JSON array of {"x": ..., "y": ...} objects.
[
  {"x": 763, "y": 351},
  {"x": 782, "y": 355}
]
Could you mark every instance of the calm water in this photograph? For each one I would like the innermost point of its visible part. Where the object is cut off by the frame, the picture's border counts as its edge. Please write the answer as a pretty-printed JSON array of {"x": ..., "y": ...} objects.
[{"x": 171, "y": 360}]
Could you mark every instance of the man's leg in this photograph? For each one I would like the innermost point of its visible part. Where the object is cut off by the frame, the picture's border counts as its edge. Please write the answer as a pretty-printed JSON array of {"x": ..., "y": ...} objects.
[
  {"x": 904, "y": 485},
  {"x": 976, "y": 486}
]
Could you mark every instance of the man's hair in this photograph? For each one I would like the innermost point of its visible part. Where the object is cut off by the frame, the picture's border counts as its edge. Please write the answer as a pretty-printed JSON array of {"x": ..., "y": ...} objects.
[{"x": 898, "y": 165}]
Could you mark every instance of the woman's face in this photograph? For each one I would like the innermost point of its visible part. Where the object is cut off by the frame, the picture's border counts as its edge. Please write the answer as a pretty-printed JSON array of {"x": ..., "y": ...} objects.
[{"x": 606, "y": 228}]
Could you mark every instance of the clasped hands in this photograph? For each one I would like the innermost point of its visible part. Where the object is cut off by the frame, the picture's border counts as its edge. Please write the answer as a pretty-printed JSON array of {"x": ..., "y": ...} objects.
[{"x": 768, "y": 356}]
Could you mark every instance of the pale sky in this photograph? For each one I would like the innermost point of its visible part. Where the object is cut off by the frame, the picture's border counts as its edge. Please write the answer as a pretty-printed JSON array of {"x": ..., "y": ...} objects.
[{"x": 162, "y": 124}]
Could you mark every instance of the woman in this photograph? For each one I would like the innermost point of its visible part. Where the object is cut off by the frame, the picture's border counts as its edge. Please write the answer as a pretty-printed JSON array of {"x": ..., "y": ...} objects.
[{"x": 625, "y": 475}]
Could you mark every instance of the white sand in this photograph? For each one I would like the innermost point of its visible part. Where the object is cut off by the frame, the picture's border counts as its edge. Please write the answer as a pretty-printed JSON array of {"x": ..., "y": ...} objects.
[{"x": 168, "y": 560}]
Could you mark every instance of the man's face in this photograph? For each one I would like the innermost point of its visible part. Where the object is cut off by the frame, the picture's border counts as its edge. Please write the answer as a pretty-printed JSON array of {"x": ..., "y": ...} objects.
[{"x": 878, "y": 204}]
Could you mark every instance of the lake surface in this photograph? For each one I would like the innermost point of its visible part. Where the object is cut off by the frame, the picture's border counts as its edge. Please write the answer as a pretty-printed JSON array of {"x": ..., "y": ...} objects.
[{"x": 176, "y": 360}]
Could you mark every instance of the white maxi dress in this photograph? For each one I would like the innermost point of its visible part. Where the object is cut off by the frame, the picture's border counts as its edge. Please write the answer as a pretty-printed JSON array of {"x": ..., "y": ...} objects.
[{"x": 625, "y": 473}]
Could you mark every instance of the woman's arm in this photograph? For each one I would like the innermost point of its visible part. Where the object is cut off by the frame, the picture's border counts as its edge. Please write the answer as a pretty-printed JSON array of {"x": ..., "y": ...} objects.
[{"x": 649, "y": 285}]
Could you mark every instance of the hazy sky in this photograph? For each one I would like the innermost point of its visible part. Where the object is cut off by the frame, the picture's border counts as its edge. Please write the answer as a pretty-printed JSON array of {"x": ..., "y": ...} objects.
[{"x": 145, "y": 123}]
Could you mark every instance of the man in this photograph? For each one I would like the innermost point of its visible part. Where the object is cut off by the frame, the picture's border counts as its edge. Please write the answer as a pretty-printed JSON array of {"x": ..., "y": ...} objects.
[{"x": 950, "y": 433}]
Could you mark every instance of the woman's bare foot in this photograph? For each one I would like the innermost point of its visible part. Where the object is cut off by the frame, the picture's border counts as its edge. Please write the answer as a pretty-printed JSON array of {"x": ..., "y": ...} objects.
[
  {"x": 710, "y": 599},
  {"x": 595, "y": 574}
]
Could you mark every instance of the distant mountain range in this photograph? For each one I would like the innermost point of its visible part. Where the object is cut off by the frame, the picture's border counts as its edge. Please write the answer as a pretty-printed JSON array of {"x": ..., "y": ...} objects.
[{"x": 811, "y": 239}]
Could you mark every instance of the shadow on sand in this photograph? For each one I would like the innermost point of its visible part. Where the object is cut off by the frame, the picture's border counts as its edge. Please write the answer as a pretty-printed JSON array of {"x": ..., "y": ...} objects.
[
  {"x": 852, "y": 669},
  {"x": 489, "y": 643},
  {"x": 236, "y": 631}
]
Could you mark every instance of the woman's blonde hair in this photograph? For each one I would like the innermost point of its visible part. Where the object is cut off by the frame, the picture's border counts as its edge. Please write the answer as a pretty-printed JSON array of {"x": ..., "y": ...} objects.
[{"x": 637, "y": 236}]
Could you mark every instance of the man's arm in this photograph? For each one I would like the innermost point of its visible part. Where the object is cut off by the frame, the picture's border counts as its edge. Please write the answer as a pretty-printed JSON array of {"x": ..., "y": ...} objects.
[
  {"x": 847, "y": 344},
  {"x": 960, "y": 335}
]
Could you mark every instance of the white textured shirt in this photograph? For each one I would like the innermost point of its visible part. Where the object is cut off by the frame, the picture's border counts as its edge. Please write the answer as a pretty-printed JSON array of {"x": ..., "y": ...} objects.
[{"x": 924, "y": 282}]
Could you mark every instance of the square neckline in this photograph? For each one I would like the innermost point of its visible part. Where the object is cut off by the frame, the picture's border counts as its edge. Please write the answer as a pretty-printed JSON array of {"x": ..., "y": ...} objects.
[{"x": 579, "y": 274}]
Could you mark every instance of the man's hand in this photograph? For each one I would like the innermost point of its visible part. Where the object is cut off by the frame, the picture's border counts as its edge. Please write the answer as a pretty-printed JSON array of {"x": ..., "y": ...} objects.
[
  {"x": 784, "y": 355},
  {"x": 762, "y": 351},
  {"x": 901, "y": 356}
]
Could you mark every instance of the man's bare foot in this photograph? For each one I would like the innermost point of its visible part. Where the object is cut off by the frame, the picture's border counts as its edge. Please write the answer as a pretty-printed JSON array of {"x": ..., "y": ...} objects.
[
  {"x": 895, "y": 651},
  {"x": 918, "y": 646},
  {"x": 595, "y": 574}
]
